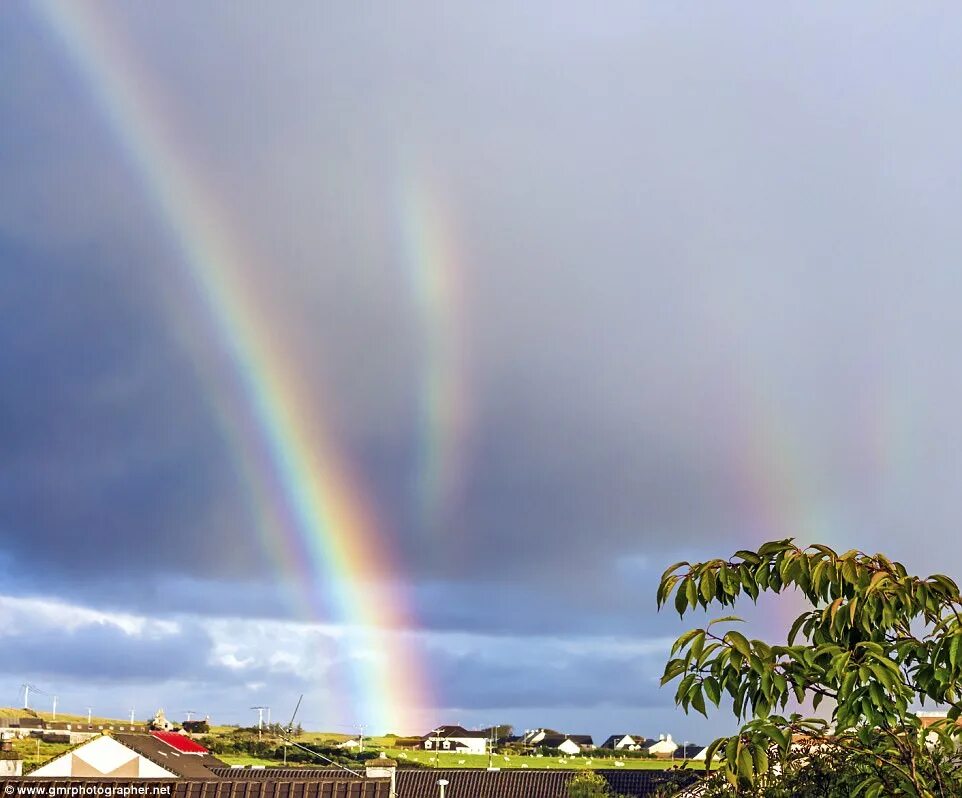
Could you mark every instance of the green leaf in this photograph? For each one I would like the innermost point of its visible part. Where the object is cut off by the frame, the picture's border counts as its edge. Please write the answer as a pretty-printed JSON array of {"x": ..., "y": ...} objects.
[
  {"x": 691, "y": 593},
  {"x": 712, "y": 690},
  {"x": 681, "y": 601},
  {"x": 726, "y": 619},
  {"x": 746, "y": 765},
  {"x": 739, "y": 642},
  {"x": 698, "y": 700}
]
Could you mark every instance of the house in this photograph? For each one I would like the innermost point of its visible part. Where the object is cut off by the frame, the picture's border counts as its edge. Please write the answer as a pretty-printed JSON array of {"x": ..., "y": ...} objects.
[
  {"x": 160, "y": 723},
  {"x": 157, "y": 755},
  {"x": 471, "y": 783},
  {"x": 628, "y": 742},
  {"x": 10, "y": 762},
  {"x": 700, "y": 756},
  {"x": 569, "y": 744},
  {"x": 298, "y": 783},
  {"x": 474, "y": 782},
  {"x": 348, "y": 744},
  {"x": 618, "y": 742},
  {"x": 196, "y": 726},
  {"x": 689, "y": 751},
  {"x": 455, "y": 738},
  {"x": 664, "y": 748}
]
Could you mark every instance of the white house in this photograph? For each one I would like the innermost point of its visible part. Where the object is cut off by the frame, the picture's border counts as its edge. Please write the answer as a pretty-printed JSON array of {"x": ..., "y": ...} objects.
[
  {"x": 455, "y": 738},
  {"x": 664, "y": 748},
  {"x": 569, "y": 744},
  {"x": 159, "y": 755},
  {"x": 627, "y": 742},
  {"x": 700, "y": 756}
]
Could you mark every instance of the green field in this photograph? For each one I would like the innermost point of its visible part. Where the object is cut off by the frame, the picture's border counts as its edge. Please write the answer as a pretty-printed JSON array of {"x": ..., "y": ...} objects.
[
  {"x": 513, "y": 761},
  {"x": 34, "y": 753}
]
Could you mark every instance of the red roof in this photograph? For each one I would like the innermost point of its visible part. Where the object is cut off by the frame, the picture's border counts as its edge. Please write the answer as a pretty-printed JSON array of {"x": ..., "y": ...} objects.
[{"x": 179, "y": 741}]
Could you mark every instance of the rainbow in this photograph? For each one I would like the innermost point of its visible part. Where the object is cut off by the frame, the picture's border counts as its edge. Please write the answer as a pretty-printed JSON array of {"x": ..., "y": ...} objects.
[
  {"x": 315, "y": 522},
  {"x": 434, "y": 275}
]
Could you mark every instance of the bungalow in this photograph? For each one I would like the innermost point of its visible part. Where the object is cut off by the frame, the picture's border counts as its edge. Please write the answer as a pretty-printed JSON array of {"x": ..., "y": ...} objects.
[
  {"x": 689, "y": 751},
  {"x": 628, "y": 742},
  {"x": 455, "y": 738},
  {"x": 158, "y": 755},
  {"x": 570, "y": 744}
]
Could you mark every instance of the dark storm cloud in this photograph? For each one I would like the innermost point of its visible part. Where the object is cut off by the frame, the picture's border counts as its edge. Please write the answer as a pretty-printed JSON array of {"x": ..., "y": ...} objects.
[
  {"x": 109, "y": 452},
  {"x": 586, "y": 679}
]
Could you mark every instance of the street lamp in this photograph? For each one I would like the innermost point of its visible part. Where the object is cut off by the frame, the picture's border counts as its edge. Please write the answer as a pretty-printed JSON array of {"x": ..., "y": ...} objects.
[
  {"x": 442, "y": 783},
  {"x": 437, "y": 741}
]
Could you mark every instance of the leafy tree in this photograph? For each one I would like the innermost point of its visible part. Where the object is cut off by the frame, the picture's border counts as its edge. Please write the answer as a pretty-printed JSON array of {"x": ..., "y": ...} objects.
[
  {"x": 875, "y": 642},
  {"x": 588, "y": 784},
  {"x": 501, "y": 731}
]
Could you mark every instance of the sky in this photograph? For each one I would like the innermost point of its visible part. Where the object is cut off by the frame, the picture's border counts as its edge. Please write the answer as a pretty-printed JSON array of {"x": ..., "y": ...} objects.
[{"x": 572, "y": 294}]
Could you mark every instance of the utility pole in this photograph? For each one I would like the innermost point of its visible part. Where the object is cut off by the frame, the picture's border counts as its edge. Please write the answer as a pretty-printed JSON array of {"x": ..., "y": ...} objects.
[
  {"x": 54, "y": 708},
  {"x": 260, "y": 719},
  {"x": 26, "y": 696},
  {"x": 132, "y": 715}
]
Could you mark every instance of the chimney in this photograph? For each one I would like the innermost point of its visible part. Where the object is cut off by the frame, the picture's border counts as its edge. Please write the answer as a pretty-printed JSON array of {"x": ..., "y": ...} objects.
[
  {"x": 383, "y": 768},
  {"x": 11, "y": 765}
]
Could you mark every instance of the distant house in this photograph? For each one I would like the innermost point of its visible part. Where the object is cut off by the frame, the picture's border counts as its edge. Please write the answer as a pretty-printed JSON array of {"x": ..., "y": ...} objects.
[
  {"x": 351, "y": 742},
  {"x": 455, "y": 738},
  {"x": 628, "y": 742},
  {"x": 30, "y": 725},
  {"x": 196, "y": 726},
  {"x": 664, "y": 748},
  {"x": 158, "y": 755},
  {"x": 570, "y": 744},
  {"x": 688, "y": 751},
  {"x": 702, "y": 754}
]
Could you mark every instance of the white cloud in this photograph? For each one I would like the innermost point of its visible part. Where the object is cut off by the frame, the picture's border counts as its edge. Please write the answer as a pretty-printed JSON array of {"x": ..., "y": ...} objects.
[{"x": 20, "y": 615}]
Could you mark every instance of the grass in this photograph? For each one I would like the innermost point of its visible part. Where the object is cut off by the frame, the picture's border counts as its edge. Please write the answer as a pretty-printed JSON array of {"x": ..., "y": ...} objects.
[
  {"x": 12, "y": 712},
  {"x": 34, "y": 753},
  {"x": 480, "y": 761},
  {"x": 512, "y": 761}
]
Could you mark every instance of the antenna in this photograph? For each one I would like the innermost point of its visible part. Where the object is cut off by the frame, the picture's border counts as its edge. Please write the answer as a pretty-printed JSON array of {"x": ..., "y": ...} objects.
[
  {"x": 290, "y": 725},
  {"x": 189, "y": 713}
]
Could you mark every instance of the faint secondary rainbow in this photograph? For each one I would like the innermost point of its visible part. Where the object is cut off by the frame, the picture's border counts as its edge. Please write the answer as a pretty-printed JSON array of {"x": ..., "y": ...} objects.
[
  {"x": 434, "y": 271},
  {"x": 331, "y": 533}
]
